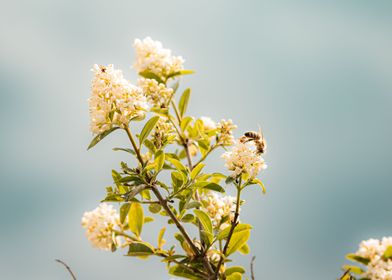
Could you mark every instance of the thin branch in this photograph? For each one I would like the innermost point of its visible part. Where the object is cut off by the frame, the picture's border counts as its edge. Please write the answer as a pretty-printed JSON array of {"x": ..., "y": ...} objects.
[
  {"x": 233, "y": 225},
  {"x": 137, "y": 151},
  {"x": 252, "y": 273},
  {"x": 67, "y": 267}
]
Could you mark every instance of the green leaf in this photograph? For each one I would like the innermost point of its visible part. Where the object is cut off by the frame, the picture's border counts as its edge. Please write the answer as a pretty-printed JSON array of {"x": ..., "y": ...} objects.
[
  {"x": 388, "y": 253},
  {"x": 136, "y": 218},
  {"x": 238, "y": 239},
  {"x": 354, "y": 269},
  {"x": 185, "y": 123},
  {"x": 99, "y": 137},
  {"x": 207, "y": 237},
  {"x": 125, "y": 150},
  {"x": 148, "y": 127},
  {"x": 159, "y": 160},
  {"x": 124, "y": 209},
  {"x": 188, "y": 218},
  {"x": 209, "y": 186},
  {"x": 245, "y": 249},
  {"x": 177, "y": 179},
  {"x": 204, "y": 220},
  {"x": 196, "y": 170},
  {"x": 231, "y": 270},
  {"x": 150, "y": 75},
  {"x": 181, "y": 72},
  {"x": 356, "y": 258},
  {"x": 154, "y": 208},
  {"x": 140, "y": 249},
  {"x": 234, "y": 276},
  {"x": 225, "y": 232},
  {"x": 148, "y": 220},
  {"x": 183, "y": 272},
  {"x": 258, "y": 182},
  {"x": 161, "y": 241},
  {"x": 184, "y": 100},
  {"x": 178, "y": 165}
]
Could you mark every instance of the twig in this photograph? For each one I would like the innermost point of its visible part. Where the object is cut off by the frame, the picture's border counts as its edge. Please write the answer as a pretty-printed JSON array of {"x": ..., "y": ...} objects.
[
  {"x": 67, "y": 267},
  {"x": 252, "y": 273}
]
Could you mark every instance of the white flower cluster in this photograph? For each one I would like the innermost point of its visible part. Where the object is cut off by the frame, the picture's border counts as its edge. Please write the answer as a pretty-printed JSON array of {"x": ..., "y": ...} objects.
[
  {"x": 152, "y": 57},
  {"x": 373, "y": 250},
  {"x": 219, "y": 208},
  {"x": 244, "y": 159},
  {"x": 114, "y": 101},
  {"x": 225, "y": 128},
  {"x": 157, "y": 93},
  {"x": 100, "y": 224},
  {"x": 208, "y": 123}
]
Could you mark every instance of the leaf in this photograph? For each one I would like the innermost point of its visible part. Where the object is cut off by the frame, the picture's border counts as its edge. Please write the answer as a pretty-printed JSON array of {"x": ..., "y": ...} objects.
[
  {"x": 184, "y": 272},
  {"x": 188, "y": 218},
  {"x": 356, "y": 258},
  {"x": 159, "y": 160},
  {"x": 388, "y": 252},
  {"x": 196, "y": 170},
  {"x": 185, "y": 123},
  {"x": 184, "y": 100},
  {"x": 161, "y": 241},
  {"x": 148, "y": 220},
  {"x": 245, "y": 249},
  {"x": 181, "y": 72},
  {"x": 154, "y": 208},
  {"x": 136, "y": 218},
  {"x": 225, "y": 232},
  {"x": 140, "y": 249},
  {"x": 257, "y": 181},
  {"x": 231, "y": 270},
  {"x": 99, "y": 137},
  {"x": 177, "y": 179},
  {"x": 125, "y": 150},
  {"x": 354, "y": 269},
  {"x": 238, "y": 239},
  {"x": 148, "y": 127},
  {"x": 207, "y": 237},
  {"x": 124, "y": 209},
  {"x": 209, "y": 186},
  {"x": 178, "y": 165},
  {"x": 204, "y": 220},
  {"x": 136, "y": 190},
  {"x": 234, "y": 276},
  {"x": 150, "y": 75}
]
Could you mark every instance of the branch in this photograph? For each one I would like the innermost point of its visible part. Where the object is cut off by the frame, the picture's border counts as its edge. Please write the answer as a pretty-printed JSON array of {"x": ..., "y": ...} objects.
[
  {"x": 252, "y": 273},
  {"x": 137, "y": 151},
  {"x": 67, "y": 267}
]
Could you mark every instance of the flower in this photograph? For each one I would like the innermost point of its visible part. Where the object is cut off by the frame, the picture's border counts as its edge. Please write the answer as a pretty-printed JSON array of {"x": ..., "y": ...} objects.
[
  {"x": 152, "y": 57},
  {"x": 157, "y": 93},
  {"x": 100, "y": 224},
  {"x": 378, "y": 267},
  {"x": 225, "y": 128},
  {"x": 244, "y": 159},
  {"x": 164, "y": 133},
  {"x": 208, "y": 123},
  {"x": 114, "y": 101},
  {"x": 220, "y": 208}
]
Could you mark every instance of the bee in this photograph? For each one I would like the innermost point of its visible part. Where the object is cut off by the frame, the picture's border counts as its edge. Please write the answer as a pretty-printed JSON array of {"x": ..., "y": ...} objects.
[{"x": 257, "y": 138}]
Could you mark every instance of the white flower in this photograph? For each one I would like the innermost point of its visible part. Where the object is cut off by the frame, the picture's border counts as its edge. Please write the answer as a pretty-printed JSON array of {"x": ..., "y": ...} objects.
[
  {"x": 151, "y": 56},
  {"x": 379, "y": 269},
  {"x": 100, "y": 224},
  {"x": 369, "y": 248},
  {"x": 243, "y": 159},
  {"x": 114, "y": 101},
  {"x": 208, "y": 123},
  {"x": 218, "y": 208},
  {"x": 225, "y": 128},
  {"x": 157, "y": 94}
]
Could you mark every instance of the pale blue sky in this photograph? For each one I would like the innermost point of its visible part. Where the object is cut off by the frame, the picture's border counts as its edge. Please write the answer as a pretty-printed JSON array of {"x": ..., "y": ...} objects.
[{"x": 316, "y": 75}]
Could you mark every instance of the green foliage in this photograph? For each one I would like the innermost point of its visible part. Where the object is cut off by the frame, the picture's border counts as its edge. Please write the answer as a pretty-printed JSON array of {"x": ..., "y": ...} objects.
[
  {"x": 99, "y": 137},
  {"x": 184, "y": 100},
  {"x": 140, "y": 249},
  {"x": 148, "y": 127},
  {"x": 388, "y": 253},
  {"x": 204, "y": 220},
  {"x": 356, "y": 258},
  {"x": 136, "y": 218},
  {"x": 237, "y": 241}
]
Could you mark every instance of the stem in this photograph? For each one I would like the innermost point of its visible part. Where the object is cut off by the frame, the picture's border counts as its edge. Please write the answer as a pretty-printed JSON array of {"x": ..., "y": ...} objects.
[
  {"x": 137, "y": 151},
  {"x": 234, "y": 223},
  {"x": 252, "y": 273},
  {"x": 206, "y": 154},
  {"x": 67, "y": 267},
  {"x": 176, "y": 111},
  {"x": 163, "y": 203}
]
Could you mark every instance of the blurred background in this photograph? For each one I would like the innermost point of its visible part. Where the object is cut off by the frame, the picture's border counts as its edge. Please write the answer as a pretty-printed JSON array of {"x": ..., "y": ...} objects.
[{"x": 316, "y": 75}]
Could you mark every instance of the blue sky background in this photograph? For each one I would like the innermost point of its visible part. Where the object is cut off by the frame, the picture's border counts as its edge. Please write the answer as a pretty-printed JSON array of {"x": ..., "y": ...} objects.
[{"x": 316, "y": 75}]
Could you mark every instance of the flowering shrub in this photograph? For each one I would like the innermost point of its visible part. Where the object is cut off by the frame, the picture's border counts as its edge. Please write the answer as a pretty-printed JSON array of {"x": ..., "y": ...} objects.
[
  {"x": 177, "y": 144},
  {"x": 375, "y": 256}
]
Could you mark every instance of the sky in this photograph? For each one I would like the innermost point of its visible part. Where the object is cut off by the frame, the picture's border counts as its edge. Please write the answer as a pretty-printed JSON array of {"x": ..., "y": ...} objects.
[{"x": 315, "y": 75}]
